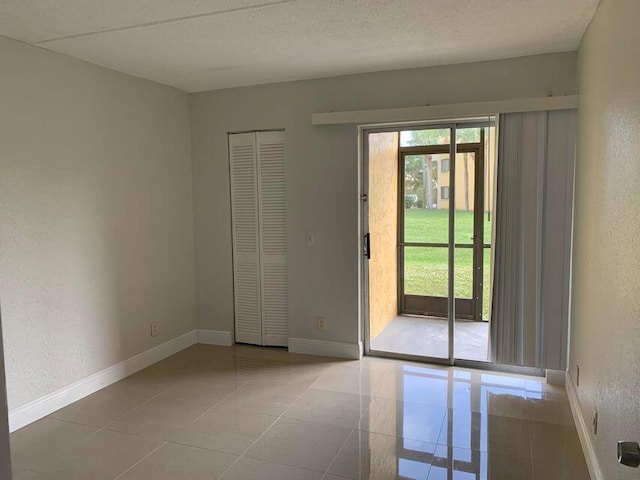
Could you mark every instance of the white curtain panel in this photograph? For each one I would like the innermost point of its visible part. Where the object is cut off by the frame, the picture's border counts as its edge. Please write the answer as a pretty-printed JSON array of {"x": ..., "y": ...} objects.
[{"x": 534, "y": 202}]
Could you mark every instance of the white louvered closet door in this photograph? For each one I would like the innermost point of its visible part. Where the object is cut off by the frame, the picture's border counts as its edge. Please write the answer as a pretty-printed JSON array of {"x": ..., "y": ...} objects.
[
  {"x": 258, "y": 198},
  {"x": 246, "y": 247},
  {"x": 273, "y": 236}
]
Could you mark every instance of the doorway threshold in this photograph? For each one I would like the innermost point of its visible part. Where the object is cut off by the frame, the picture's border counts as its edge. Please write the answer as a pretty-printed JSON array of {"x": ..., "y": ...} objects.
[{"x": 428, "y": 337}]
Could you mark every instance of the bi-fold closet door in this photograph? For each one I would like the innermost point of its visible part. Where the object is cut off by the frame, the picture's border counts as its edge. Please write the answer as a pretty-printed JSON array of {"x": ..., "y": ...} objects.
[{"x": 259, "y": 217}]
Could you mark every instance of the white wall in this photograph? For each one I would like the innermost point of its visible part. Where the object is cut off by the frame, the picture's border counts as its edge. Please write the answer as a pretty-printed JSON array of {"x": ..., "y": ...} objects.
[
  {"x": 5, "y": 449},
  {"x": 322, "y": 173},
  {"x": 96, "y": 218},
  {"x": 605, "y": 332}
]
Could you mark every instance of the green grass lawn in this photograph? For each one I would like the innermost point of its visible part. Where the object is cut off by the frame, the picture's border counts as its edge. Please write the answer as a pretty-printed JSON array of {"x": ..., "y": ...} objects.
[
  {"x": 432, "y": 226},
  {"x": 426, "y": 268}
]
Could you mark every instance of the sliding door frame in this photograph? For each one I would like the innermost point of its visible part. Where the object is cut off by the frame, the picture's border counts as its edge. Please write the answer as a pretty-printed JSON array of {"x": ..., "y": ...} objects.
[{"x": 364, "y": 326}]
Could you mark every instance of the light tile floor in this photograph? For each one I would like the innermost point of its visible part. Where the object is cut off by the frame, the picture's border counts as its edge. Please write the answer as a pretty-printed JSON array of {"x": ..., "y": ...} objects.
[{"x": 248, "y": 413}]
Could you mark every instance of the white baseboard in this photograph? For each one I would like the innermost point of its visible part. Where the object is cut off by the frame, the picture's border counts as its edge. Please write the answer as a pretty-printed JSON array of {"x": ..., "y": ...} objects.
[
  {"x": 214, "y": 337},
  {"x": 556, "y": 377},
  {"x": 43, "y": 406},
  {"x": 583, "y": 431},
  {"x": 325, "y": 348},
  {"x": 47, "y": 404}
]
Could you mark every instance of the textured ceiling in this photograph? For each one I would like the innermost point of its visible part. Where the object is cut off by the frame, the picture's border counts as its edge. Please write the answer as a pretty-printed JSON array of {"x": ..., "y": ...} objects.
[{"x": 199, "y": 45}]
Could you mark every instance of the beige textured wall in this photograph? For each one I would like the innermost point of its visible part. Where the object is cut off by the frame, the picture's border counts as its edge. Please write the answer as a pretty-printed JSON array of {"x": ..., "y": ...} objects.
[
  {"x": 605, "y": 323},
  {"x": 444, "y": 178},
  {"x": 383, "y": 226},
  {"x": 96, "y": 218},
  {"x": 462, "y": 196}
]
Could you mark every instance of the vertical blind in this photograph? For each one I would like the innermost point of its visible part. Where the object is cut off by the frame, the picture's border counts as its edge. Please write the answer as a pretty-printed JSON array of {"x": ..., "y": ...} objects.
[{"x": 534, "y": 201}]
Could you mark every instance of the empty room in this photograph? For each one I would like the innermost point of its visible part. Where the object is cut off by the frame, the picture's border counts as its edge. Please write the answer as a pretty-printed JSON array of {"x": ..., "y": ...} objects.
[{"x": 320, "y": 240}]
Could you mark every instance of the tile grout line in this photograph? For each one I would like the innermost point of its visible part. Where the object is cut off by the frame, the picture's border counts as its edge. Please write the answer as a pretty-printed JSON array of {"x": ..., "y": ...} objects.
[
  {"x": 326, "y": 472},
  {"x": 105, "y": 427},
  {"x": 444, "y": 420},
  {"x": 191, "y": 446},
  {"x": 141, "y": 460},
  {"x": 531, "y": 446},
  {"x": 164, "y": 442},
  {"x": 242, "y": 455},
  {"x": 72, "y": 422},
  {"x": 216, "y": 404}
]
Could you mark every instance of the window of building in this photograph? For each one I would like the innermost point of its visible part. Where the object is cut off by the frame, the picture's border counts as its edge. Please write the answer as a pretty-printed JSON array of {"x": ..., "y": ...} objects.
[
  {"x": 444, "y": 193},
  {"x": 445, "y": 165}
]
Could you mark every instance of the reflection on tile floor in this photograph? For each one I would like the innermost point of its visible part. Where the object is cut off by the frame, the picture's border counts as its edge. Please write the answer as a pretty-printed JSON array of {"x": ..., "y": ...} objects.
[{"x": 250, "y": 413}]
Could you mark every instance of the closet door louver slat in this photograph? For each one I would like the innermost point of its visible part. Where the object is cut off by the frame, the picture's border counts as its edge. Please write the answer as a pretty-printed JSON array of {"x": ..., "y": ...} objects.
[
  {"x": 246, "y": 261},
  {"x": 273, "y": 235}
]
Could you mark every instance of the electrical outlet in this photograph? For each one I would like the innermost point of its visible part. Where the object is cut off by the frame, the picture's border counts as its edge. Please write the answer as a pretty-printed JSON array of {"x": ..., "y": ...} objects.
[
  {"x": 577, "y": 375},
  {"x": 594, "y": 421},
  {"x": 154, "y": 329},
  {"x": 322, "y": 323},
  {"x": 310, "y": 239}
]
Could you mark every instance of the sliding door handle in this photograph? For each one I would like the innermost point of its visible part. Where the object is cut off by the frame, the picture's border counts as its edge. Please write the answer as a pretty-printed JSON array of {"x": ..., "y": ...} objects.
[{"x": 367, "y": 246}]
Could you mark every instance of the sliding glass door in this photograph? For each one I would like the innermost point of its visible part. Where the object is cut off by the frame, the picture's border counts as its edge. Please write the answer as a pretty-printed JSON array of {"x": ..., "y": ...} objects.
[{"x": 440, "y": 260}]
